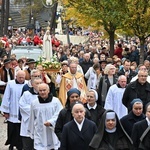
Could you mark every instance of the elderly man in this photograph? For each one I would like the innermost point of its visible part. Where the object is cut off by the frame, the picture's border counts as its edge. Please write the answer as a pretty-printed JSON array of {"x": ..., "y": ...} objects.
[
  {"x": 141, "y": 67},
  {"x": 114, "y": 97},
  {"x": 76, "y": 134},
  {"x": 10, "y": 107},
  {"x": 24, "y": 104},
  {"x": 72, "y": 79},
  {"x": 137, "y": 89},
  {"x": 34, "y": 74},
  {"x": 43, "y": 115}
]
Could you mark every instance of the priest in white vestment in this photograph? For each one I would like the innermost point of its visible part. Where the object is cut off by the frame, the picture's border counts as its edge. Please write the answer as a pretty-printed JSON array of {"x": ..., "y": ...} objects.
[
  {"x": 43, "y": 115},
  {"x": 10, "y": 108},
  {"x": 114, "y": 97},
  {"x": 24, "y": 104}
]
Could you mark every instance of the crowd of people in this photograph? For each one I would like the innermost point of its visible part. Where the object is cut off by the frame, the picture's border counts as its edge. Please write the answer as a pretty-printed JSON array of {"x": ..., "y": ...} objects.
[{"x": 95, "y": 102}]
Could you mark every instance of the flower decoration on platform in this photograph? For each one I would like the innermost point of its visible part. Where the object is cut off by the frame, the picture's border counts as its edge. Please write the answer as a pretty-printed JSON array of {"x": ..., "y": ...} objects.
[{"x": 53, "y": 64}]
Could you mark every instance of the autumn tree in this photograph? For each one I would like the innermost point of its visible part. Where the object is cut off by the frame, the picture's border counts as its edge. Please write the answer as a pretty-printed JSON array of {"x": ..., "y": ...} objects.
[
  {"x": 109, "y": 14},
  {"x": 138, "y": 20}
]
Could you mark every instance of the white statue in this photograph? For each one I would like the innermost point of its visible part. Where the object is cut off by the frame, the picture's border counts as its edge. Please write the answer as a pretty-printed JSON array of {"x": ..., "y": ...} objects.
[
  {"x": 49, "y": 2},
  {"x": 47, "y": 46}
]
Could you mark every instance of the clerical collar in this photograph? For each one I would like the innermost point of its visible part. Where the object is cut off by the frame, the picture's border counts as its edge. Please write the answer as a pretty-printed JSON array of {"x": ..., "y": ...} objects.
[
  {"x": 94, "y": 107},
  {"x": 79, "y": 124},
  {"x": 47, "y": 100},
  {"x": 33, "y": 91},
  {"x": 18, "y": 82},
  {"x": 118, "y": 85}
]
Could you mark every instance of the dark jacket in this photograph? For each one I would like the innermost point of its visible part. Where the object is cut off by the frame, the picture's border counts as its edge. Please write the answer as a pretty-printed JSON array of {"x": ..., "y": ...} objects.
[
  {"x": 103, "y": 88},
  {"x": 64, "y": 117},
  {"x": 73, "y": 139},
  {"x": 129, "y": 120},
  {"x": 131, "y": 92},
  {"x": 100, "y": 141},
  {"x": 134, "y": 56},
  {"x": 96, "y": 113},
  {"x": 138, "y": 130},
  {"x": 86, "y": 65},
  {"x": 3, "y": 76},
  {"x": 145, "y": 140},
  {"x": 130, "y": 76}
]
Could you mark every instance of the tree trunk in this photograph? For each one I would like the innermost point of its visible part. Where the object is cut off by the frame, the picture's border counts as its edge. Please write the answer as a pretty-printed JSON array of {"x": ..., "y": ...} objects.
[
  {"x": 30, "y": 13},
  {"x": 111, "y": 39},
  {"x": 6, "y": 17},
  {"x": 142, "y": 41},
  {"x": 2, "y": 17}
]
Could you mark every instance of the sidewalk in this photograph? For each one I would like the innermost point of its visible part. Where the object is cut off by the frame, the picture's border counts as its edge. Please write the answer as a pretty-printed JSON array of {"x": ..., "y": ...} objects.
[{"x": 3, "y": 133}]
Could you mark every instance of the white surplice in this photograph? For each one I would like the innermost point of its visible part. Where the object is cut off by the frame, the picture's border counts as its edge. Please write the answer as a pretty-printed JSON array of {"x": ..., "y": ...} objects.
[
  {"x": 24, "y": 104},
  {"x": 44, "y": 137},
  {"x": 114, "y": 101},
  {"x": 10, "y": 101}
]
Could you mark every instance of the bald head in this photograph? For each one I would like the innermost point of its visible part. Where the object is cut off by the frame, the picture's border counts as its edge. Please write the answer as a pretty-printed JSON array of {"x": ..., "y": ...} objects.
[
  {"x": 78, "y": 112},
  {"x": 20, "y": 77},
  {"x": 122, "y": 81},
  {"x": 43, "y": 90}
]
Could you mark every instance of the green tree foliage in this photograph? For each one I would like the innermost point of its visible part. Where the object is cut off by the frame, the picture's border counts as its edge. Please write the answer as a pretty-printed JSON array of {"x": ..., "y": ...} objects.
[
  {"x": 107, "y": 13},
  {"x": 34, "y": 5},
  {"x": 138, "y": 20}
]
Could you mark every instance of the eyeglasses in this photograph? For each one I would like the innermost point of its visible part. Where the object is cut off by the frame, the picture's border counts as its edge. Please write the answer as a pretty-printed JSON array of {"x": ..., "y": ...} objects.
[
  {"x": 142, "y": 76},
  {"x": 37, "y": 76}
]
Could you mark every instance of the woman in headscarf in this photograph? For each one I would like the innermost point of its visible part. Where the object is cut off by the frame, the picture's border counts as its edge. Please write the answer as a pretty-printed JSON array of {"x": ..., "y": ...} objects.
[
  {"x": 110, "y": 134},
  {"x": 95, "y": 109},
  {"x": 135, "y": 115},
  {"x": 65, "y": 115}
]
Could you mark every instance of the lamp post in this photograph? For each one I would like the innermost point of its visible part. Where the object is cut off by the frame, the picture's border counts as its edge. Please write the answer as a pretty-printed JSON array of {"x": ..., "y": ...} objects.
[{"x": 52, "y": 6}]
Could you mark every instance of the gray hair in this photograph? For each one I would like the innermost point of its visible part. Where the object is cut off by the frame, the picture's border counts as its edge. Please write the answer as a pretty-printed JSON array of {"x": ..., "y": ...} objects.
[{"x": 34, "y": 71}]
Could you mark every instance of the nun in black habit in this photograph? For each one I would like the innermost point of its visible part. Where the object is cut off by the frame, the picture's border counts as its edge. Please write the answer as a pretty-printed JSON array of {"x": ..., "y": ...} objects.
[{"x": 110, "y": 134}]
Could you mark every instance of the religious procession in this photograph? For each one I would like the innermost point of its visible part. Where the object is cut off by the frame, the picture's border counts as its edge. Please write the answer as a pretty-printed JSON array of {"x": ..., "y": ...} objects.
[{"x": 76, "y": 87}]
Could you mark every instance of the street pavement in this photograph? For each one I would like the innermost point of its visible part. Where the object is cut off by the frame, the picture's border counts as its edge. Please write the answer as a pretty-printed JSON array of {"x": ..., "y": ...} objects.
[{"x": 3, "y": 133}]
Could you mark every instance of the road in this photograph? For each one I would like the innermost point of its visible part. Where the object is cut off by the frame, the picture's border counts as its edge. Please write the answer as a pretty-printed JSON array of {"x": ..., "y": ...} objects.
[{"x": 3, "y": 133}]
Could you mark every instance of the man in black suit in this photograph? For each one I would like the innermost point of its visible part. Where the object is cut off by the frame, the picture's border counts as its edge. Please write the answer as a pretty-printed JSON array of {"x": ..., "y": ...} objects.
[
  {"x": 140, "y": 127},
  {"x": 77, "y": 133},
  {"x": 127, "y": 71}
]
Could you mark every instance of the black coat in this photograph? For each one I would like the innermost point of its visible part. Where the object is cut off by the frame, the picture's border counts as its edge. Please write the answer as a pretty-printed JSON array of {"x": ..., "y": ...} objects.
[
  {"x": 103, "y": 88},
  {"x": 130, "y": 76},
  {"x": 73, "y": 139},
  {"x": 145, "y": 140},
  {"x": 86, "y": 65},
  {"x": 131, "y": 92},
  {"x": 100, "y": 139},
  {"x": 96, "y": 114},
  {"x": 138, "y": 130},
  {"x": 64, "y": 117},
  {"x": 129, "y": 120}
]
